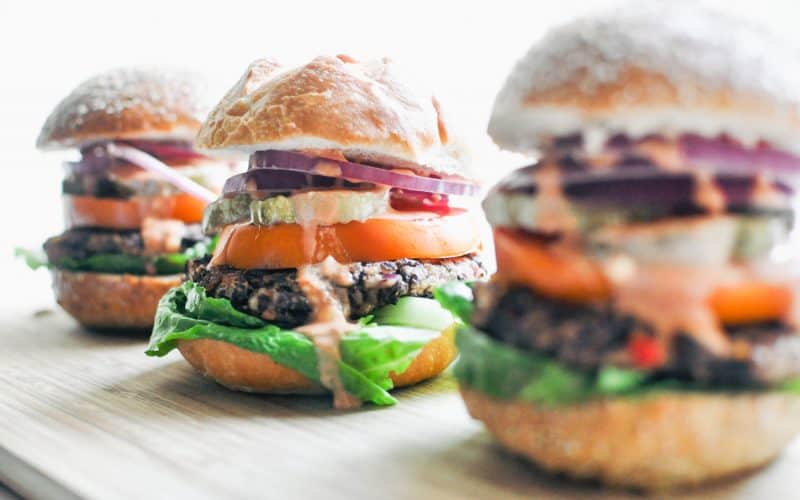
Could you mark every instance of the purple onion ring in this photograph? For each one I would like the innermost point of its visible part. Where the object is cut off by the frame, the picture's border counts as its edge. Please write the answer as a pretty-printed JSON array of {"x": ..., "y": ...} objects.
[{"x": 299, "y": 162}]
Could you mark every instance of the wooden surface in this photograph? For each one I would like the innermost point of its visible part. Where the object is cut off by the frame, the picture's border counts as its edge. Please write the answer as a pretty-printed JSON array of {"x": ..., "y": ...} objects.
[{"x": 90, "y": 416}]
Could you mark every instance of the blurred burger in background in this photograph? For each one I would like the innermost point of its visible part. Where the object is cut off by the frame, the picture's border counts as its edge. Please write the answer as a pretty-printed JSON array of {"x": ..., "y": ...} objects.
[
  {"x": 134, "y": 200},
  {"x": 639, "y": 329},
  {"x": 356, "y": 206}
]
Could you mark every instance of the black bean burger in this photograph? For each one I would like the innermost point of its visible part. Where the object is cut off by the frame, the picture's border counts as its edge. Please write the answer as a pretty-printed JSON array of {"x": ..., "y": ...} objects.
[
  {"x": 330, "y": 246},
  {"x": 642, "y": 327},
  {"x": 134, "y": 200}
]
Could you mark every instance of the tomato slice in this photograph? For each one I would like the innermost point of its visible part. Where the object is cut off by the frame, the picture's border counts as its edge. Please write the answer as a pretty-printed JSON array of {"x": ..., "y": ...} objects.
[
  {"x": 574, "y": 277},
  {"x": 114, "y": 213},
  {"x": 286, "y": 246},
  {"x": 554, "y": 273},
  {"x": 748, "y": 303},
  {"x": 187, "y": 208}
]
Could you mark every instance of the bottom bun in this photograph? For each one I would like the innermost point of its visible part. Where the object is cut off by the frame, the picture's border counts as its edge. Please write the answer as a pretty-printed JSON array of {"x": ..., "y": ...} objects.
[
  {"x": 111, "y": 301},
  {"x": 655, "y": 442},
  {"x": 244, "y": 370}
]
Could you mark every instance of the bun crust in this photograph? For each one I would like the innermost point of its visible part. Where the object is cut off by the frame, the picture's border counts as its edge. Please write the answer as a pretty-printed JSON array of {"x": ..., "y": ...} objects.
[
  {"x": 127, "y": 103},
  {"x": 654, "y": 442},
  {"x": 111, "y": 301},
  {"x": 244, "y": 370},
  {"x": 653, "y": 68},
  {"x": 360, "y": 108}
]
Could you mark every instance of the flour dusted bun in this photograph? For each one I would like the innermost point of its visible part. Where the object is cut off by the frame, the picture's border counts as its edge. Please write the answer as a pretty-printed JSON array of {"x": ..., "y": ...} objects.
[
  {"x": 652, "y": 68},
  {"x": 111, "y": 301},
  {"x": 361, "y": 108},
  {"x": 244, "y": 370},
  {"x": 127, "y": 103},
  {"x": 652, "y": 442}
]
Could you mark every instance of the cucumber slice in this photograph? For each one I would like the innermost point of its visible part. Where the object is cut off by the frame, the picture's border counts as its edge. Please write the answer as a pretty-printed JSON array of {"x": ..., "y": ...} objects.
[{"x": 417, "y": 312}]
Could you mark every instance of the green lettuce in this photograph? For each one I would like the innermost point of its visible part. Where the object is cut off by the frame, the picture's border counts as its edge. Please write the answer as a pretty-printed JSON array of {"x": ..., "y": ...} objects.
[
  {"x": 386, "y": 343},
  {"x": 174, "y": 263},
  {"x": 506, "y": 372},
  {"x": 456, "y": 297},
  {"x": 33, "y": 258}
]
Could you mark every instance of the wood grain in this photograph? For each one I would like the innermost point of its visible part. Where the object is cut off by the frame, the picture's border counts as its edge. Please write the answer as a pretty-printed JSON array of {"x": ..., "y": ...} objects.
[{"x": 85, "y": 415}]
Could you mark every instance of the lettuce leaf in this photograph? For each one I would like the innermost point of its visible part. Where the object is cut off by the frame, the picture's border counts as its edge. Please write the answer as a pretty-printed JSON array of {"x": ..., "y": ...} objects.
[
  {"x": 174, "y": 263},
  {"x": 506, "y": 372},
  {"x": 107, "y": 263},
  {"x": 33, "y": 258},
  {"x": 456, "y": 297},
  {"x": 368, "y": 354}
]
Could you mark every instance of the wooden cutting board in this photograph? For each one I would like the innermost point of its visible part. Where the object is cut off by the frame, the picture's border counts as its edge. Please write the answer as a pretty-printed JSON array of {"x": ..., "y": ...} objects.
[{"x": 91, "y": 416}]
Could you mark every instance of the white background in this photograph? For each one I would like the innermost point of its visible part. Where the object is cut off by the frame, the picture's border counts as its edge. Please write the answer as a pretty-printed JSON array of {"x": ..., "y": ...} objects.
[{"x": 461, "y": 49}]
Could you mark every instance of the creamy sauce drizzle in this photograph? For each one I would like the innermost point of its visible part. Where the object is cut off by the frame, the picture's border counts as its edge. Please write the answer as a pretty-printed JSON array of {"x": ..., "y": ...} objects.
[
  {"x": 764, "y": 192},
  {"x": 553, "y": 213},
  {"x": 707, "y": 194},
  {"x": 329, "y": 323},
  {"x": 162, "y": 235},
  {"x": 328, "y": 327},
  {"x": 672, "y": 299},
  {"x": 662, "y": 152}
]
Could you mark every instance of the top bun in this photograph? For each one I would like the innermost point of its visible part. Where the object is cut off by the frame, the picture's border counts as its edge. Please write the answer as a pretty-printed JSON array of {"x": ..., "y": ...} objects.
[
  {"x": 360, "y": 108},
  {"x": 127, "y": 103},
  {"x": 652, "y": 68}
]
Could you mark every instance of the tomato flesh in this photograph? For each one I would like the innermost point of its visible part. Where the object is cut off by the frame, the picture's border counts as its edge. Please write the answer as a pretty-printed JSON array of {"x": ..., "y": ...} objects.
[
  {"x": 552, "y": 272},
  {"x": 116, "y": 213},
  {"x": 749, "y": 303},
  {"x": 286, "y": 246},
  {"x": 573, "y": 277}
]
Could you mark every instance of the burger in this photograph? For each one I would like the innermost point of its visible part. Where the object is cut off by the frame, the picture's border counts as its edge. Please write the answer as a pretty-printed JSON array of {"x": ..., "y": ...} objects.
[
  {"x": 642, "y": 327},
  {"x": 134, "y": 200},
  {"x": 355, "y": 207}
]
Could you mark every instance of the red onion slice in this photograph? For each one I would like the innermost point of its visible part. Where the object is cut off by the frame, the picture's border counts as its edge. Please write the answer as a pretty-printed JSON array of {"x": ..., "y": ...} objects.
[
  {"x": 280, "y": 181},
  {"x": 645, "y": 186},
  {"x": 152, "y": 164},
  {"x": 722, "y": 154},
  {"x": 94, "y": 160},
  {"x": 290, "y": 160},
  {"x": 167, "y": 150}
]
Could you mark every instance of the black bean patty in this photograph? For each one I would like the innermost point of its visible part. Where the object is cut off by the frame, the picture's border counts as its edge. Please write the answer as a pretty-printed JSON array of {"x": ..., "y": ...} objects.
[
  {"x": 82, "y": 243},
  {"x": 588, "y": 337},
  {"x": 275, "y": 296}
]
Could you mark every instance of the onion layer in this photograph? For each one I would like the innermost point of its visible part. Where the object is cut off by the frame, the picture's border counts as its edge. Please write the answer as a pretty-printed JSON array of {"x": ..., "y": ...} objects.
[
  {"x": 357, "y": 172},
  {"x": 283, "y": 181},
  {"x": 651, "y": 186},
  {"x": 148, "y": 162},
  {"x": 98, "y": 157},
  {"x": 167, "y": 150},
  {"x": 722, "y": 154}
]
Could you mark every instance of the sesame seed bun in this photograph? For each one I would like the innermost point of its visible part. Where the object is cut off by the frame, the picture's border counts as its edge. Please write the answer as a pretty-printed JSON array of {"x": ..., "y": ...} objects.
[
  {"x": 652, "y": 68},
  {"x": 244, "y": 370},
  {"x": 652, "y": 442},
  {"x": 111, "y": 301},
  {"x": 364, "y": 109},
  {"x": 127, "y": 103}
]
